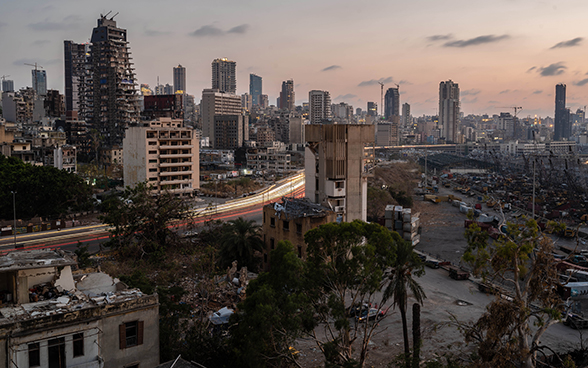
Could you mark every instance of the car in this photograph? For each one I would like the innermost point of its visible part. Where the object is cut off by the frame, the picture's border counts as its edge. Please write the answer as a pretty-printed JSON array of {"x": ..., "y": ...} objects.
[
  {"x": 370, "y": 315},
  {"x": 431, "y": 263},
  {"x": 355, "y": 309},
  {"x": 190, "y": 234}
]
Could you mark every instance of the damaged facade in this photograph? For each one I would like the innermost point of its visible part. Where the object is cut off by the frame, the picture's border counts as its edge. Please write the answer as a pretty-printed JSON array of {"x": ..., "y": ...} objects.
[
  {"x": 52, "y": 318},
  {"x": 290, "y": 220}
]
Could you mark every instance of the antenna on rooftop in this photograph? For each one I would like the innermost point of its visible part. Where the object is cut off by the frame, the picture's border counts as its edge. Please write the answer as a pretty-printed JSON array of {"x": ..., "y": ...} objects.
[{"x": 114, "y": 16}]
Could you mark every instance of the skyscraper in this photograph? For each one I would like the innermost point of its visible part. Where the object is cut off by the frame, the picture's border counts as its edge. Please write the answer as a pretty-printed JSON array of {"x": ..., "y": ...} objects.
[
  {"x": 39, "y": 81},
  {"x": 562, "y": 126},
  {"x": 7, "y": 85},
  {"x": 115, "y": 102},
  {"x": 255, "y": 88},
  {"x": 372, "y": 109},
  {"x": 215, "y": 103},
  {"x": 179, "y": 79},
  {"x": 448, "y": 109},
  {"x": 391, "y": 103},
  {"x": 77, "y": 77},
  {"x": 406, "y": 118},
  {"x": 224, "y": 77},
  {"x": 319, "y": 106},
  {"x": 287, "y": 95}
]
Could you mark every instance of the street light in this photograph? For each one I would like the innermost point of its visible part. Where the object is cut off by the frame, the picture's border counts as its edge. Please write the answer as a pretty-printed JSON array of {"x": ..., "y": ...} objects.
[{"x": 14, "y": 211}]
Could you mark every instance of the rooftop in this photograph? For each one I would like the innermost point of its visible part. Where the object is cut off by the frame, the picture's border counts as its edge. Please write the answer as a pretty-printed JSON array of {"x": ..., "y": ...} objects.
[
  {"x": 291, "y": 208},
  {"x": 26, "y": 260}
]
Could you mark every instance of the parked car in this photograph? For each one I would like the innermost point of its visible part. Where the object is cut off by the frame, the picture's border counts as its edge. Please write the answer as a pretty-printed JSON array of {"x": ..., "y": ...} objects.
[
  {"x": 431, "y": 263},
  {"x": 355, "y": 310},
  {"x": 370, "y": 315}
]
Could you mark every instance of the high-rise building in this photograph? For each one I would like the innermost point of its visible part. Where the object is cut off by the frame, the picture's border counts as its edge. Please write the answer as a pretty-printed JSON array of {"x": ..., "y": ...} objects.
[
  {"x": 335, "y": 167},
  {"x": 7, "y": 85},
  {"x": 115, "y": 102},
  {"x": 319, "y": 106},
  {"x": 77, "y": 77},
  {"x": 224, "y": 76},
  {"x": 168, "y": 90},
  {"x": 263, "y": 101},
  {"x": 255, "y": 88},
  {"x": 448, "y": 109},
  {"x": 406, "y": 117},
  {"x": 179, "y": 79},
  {"x": 39, "y": 81},
  {"x": 391, "y": 103},
  {"x": 215, "y": 102},
  {"x": 562, "y": 126},
  {"x": 372, "y": 109},
  {"x": 246, "y": 101},
  {"x": 287, "y": 95}
]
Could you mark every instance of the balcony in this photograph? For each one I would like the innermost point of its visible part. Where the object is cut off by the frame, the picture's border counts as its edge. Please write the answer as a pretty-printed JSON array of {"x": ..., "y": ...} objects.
[
  {"x": 169, "y": 173},
  {"x": 176, "y": 155},
  {"x": 335, "y": 188}
]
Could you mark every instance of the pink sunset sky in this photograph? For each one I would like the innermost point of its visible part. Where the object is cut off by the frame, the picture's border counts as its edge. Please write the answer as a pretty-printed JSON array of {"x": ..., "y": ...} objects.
[{"x": 502, "y": 53}]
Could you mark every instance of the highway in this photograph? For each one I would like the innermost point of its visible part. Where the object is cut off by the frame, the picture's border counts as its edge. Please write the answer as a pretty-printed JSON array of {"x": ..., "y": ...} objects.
[{"x": 249, "y": 207}]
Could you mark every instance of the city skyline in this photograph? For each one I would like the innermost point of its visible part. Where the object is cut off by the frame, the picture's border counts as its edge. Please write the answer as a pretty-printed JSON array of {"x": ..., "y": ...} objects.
[{"x": 514, "y": 62}]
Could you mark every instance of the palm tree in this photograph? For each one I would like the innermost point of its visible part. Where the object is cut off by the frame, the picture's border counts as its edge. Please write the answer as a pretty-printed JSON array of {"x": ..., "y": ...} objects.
[
  {"x": 239, "y": 242},
  {"x": 401, "y": 281}
]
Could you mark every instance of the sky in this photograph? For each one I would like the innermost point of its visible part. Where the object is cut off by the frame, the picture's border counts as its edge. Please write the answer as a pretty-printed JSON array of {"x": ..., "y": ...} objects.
[{"x": 502, "y": 53}]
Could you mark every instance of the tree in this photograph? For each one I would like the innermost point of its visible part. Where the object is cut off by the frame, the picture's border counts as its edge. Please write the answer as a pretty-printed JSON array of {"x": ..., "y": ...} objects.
[
  {"x": 406, "y": 264},
  {"x": 140, "y": 221},
  {"x": 40, "y": 190},
  {"x": 508, "y": 333},
  {"x": 273, "y": 314},
  {"x": 240, "y": 241},
  {"x": 345, "y": 268}
]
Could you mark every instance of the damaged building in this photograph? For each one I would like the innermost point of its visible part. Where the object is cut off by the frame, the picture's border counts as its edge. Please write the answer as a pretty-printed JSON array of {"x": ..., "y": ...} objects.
[
  {"x": 290, "y": 220},
  {"x": 50, "y": 317}
]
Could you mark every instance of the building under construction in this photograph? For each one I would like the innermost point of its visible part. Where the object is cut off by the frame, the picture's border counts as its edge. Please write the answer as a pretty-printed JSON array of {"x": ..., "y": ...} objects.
[{"x": 114, "y": 98}]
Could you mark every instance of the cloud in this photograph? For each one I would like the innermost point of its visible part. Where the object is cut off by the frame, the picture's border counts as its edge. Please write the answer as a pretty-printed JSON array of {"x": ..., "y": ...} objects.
[
  {"x": 537, "y": 92},
  {"x": 208, "y": 30},
  {"x": 332, "y": 67},
  {"x": 434, "y": 38},
  {"x": 470, "y": 92},
  {"x": 241, "y": 29},
  {"x": 213, "y": 31},
  {"x": 581, "y": 82},
  {"x": 348, "y": 96},
  {"x": 374, "y": 82},
  {"x": 404, "y": 82},
  {"x": 569, "y": 43},
  {"x": 40, "y": 42},
  {"x": 476, "y": 41},
  {"x": 467, "y": 100},
  {"x": 49, "y": 26},
  {"x": 553, "y": 69},
  {"x": 531, "y": 69},
  {"x": 503, "y": 92}
]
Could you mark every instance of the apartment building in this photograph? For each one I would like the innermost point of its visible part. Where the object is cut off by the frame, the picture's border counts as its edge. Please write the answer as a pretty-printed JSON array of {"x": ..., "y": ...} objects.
[{"x": 163, "y": 153}]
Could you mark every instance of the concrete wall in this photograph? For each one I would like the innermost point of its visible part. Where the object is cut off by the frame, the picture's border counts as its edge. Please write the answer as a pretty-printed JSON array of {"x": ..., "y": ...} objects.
[{"x": 134, "y": 156}]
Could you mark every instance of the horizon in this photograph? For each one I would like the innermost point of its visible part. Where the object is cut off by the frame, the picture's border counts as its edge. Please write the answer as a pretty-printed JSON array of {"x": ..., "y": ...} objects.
[{"x": 498, "y": 58}]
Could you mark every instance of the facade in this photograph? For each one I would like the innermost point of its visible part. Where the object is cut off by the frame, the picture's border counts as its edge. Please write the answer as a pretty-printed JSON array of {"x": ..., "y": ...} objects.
[
  {"x": 39, "y": 81},
  {"x": 448, "y": 110},
  {"x": 255, "y": 88},
  {"x": 165, "y": 154},
  {"x": 163, "y": 106},
  {"x": 74, "y": 325},
  {"x": 386, "y": 134},
  {"x": 372, "y": 109},
  {"x": 224, "y": 76},
  {"x": 290, "y": 220},
  {"x": 562, "y": 125},
  {"x": 54, "y": 104},
  {"x": 335, "y": 167},
  {"x": 269, "y": 158},
  {"x": 287, "y": 98},
  {"x": 406, "y": 117},
  {"x": 319, "y": 106},
  {"x": 263, "y": 101},
  {"x": 391, "y": 103},
  {"x": 214, "y": 102},
  {"x": 115, "y": 102},
  {"x": 77, "y": 77},
  {"x": 246, "y": 101},
  {"x": 228, "y": 131},
  {"x": 179, "y": 79},
  {"x": 7, "y": 85}
]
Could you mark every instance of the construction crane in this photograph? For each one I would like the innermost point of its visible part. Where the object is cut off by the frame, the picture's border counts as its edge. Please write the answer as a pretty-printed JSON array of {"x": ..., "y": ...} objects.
[
  {"x": 382, "y": 99},
  {"x": 4, "y": 77},
  {"x": 515, "y": 108}
]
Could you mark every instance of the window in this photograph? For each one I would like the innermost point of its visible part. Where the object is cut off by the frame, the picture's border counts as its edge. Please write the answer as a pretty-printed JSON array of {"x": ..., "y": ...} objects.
[
  {"x": 78, "y": 345},
  {"x": 265, "y": 258},
  {"x": 152, "y": 152},
  {"x": 299, "y": 251},
  {"x": 34, "y": 355},
  {"x": 153, "y": 161},
  {"x": 286, "y": 225},
  {"x": 299, "y": 228},
  {"x": 272, "y": 243},
  {"x": 130, "y": 334},
  {"x": 56, "y": 353},
  {"x": 272, "y": 222}
]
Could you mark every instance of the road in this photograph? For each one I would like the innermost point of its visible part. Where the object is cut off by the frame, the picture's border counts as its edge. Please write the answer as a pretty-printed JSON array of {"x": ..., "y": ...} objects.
[{"x": 249, "y": 207}]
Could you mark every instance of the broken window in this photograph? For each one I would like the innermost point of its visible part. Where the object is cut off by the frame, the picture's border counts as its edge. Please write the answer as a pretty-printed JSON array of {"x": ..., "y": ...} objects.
[
  {"x": 273, "y": 222},
  {"x": 78, "y": 344},
  {"x": 56, "y": 353},
  {"x": 34, "y": 355},
  {"x": 299, "y": 228},
  {"x": 131, "y": 334},
  {"x": 286, "y": 225}
]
